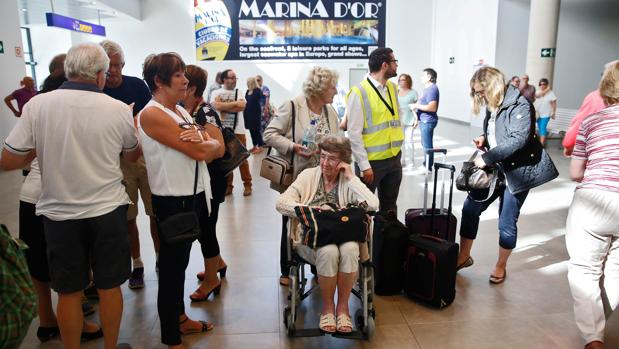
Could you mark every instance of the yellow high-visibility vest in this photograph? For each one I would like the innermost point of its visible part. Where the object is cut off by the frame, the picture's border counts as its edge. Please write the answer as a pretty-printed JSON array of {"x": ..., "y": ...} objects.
[{"x": 382, "y": 132}]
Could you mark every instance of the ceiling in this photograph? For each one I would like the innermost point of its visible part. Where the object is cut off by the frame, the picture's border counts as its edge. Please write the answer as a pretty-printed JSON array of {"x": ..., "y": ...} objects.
[{"x": 33, "y": 11}]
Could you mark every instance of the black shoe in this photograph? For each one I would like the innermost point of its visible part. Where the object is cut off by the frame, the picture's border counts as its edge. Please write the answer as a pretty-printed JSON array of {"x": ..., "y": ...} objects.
[
  {"x": 88, "y": 336},
  {"x": 46, "y": 333},
  {"x": 137, "y": 279}
]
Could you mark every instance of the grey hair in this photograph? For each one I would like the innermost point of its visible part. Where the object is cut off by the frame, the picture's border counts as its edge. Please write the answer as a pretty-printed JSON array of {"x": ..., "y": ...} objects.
[
  {"x": 339, "y": 145},
  {"x": 319, "y": 80},
  {"x": 113, "y": 48},
  {"x": 85, "y": 61}
]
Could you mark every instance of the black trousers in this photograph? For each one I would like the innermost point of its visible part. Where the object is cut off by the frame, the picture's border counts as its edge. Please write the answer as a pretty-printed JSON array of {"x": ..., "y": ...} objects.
[
  {"x": 173, "y": 260},
  {"x": 387, "y": 179},
  {"x": 208, "y": 234},
  {"x": 283, "y": 248}
]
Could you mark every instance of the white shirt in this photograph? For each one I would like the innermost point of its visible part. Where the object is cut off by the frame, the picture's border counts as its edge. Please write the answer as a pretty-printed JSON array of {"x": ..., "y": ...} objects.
[
  {"x": 355, "y": 123},
  {"x": 170, "y": 172},
  {"x": 227, "y": 119},
  {"x": 77, "y": 132},
  {"x": 542, "y": 104},
  {"x": 31, "y": 188}
]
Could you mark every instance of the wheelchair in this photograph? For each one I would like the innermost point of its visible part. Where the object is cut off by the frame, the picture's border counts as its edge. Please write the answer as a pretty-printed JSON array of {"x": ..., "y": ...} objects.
[{"x": 364, "y": 317}]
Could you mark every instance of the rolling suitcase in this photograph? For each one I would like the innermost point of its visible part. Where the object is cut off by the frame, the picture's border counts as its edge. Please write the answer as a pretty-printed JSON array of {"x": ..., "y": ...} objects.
[
  {"x": 389, "y": 249},
  {"x": 430, "y": 271},
  {"x": 418, "y": 220}
]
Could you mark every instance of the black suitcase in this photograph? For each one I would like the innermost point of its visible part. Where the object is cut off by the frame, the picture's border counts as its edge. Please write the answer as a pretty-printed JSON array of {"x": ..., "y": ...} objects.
[
  {"x": 419, "y": 220},
  {"x": 431, "y": 262},
  {"x": 389, "y": 248}
]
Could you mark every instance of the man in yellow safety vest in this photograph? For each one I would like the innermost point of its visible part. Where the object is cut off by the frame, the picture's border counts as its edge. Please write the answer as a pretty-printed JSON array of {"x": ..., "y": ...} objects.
[{"x": 374, "y": 128}]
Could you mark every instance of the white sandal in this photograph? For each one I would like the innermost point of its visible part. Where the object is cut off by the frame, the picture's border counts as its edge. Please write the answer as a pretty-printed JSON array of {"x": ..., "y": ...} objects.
[
  {"x": 344, "y": 322},
  {"x": 327, "y": 320}
]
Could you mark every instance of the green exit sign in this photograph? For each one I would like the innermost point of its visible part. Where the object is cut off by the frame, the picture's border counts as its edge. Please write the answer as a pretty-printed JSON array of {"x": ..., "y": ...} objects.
[
  {"x": 548, "y": 52},
  {"x": 1, "y": 47}
]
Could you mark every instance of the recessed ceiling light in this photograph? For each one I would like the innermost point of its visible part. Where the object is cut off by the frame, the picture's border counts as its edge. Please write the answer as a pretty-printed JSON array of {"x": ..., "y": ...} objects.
[{"x": 24, "y": 10}]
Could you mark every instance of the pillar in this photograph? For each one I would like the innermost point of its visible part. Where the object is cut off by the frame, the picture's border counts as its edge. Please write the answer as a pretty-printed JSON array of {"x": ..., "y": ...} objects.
[{"x": 543, "y": 27}]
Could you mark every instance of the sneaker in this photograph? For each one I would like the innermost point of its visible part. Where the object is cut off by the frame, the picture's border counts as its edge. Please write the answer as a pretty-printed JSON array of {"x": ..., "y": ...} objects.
[{"x": 137, "y": 278}]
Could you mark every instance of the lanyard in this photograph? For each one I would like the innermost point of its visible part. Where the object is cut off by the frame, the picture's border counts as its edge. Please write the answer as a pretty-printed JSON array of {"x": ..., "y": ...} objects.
[{"x": 389, "y": 107}]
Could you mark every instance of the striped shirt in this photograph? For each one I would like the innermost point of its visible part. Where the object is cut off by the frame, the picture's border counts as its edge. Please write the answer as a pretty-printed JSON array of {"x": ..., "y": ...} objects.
[{"x": 598, "y": 143}]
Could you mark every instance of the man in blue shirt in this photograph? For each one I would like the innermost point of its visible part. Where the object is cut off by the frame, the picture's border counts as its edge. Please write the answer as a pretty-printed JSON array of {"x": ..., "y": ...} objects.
[
  {"x": 426, "y": 108},
  {"x": 132, "y": 91}
]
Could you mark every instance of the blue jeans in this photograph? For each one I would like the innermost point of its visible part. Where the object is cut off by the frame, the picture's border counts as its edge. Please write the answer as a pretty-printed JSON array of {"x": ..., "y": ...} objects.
[
  {"x": 509, "y": 211},
  {"x": 427, "y": 133}
]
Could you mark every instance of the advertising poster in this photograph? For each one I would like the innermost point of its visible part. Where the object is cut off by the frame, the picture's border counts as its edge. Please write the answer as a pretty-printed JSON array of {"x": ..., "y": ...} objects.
[{"x": 284, "y": 29}]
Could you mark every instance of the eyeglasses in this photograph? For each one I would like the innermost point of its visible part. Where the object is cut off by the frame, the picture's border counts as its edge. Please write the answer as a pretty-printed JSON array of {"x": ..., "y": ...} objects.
[
  {"x": 543, "y": 84},
  {"x": 330, "y": 159},
  {"x": 190, "y": 125}
]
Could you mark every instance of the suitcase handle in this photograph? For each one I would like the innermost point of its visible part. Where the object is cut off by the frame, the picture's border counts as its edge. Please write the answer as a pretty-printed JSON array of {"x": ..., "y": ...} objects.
[
  {"x": 452, "y": 171},
  {"x": 425, "y": 190}
]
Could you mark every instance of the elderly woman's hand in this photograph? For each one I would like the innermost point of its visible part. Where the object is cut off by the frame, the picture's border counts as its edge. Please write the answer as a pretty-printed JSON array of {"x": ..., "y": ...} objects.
[
  {"x": 302, "y": 151},
  {"x": 346, "y": 170}
]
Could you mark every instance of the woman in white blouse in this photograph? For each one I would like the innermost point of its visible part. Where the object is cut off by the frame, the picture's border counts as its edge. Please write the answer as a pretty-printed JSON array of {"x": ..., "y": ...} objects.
[{"x": 173, "y": 146}]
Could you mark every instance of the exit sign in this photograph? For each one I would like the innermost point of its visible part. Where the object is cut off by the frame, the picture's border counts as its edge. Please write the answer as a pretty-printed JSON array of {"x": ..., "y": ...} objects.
[
  {"x": 548, "y": 52},
  {"x": 1, "y": 47}
]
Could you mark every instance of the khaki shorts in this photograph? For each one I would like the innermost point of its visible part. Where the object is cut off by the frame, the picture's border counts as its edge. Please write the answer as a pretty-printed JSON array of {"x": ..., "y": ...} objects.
[{"x": 135, "y": 178}]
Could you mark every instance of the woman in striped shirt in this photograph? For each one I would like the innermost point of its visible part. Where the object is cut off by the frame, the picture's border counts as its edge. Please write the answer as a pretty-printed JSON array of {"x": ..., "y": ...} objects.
[{"x": 592, "y": 236}]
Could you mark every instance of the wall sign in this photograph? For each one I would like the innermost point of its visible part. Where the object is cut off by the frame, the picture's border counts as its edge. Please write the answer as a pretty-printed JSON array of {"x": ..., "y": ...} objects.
[
  {"x": 56, "y": 20},
  {"x": 1, "y": 47},
  {"x": 286, "y": 29},
  {"x": 548, "y": 52}
]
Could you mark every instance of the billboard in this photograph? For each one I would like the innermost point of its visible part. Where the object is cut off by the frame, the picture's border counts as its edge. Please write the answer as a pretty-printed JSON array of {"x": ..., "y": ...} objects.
[{"x": 284, "y": 29}]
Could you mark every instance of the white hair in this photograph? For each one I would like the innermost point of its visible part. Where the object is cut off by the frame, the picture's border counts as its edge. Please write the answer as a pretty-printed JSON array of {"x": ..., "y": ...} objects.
[
  {"x": 319, "y": 80},
  {"x": 85, "y": 61},
  {"x": 113, "y": 48}
]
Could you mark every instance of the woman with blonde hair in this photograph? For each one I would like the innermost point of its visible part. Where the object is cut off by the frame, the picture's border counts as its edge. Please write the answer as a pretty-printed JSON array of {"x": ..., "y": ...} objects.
[
  {"x": 313, "y": 118},
  {"x": 592, "y": 228},
  {"x": 253, "y": 114},
  {"x": 508, "y": 144}
]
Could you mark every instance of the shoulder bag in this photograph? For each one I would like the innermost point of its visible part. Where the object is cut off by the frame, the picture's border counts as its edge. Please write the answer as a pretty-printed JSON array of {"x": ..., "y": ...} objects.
[
  {"x": 333, "y": 225},
  {"x": 476, "y": 181},
  {"x": 276, "y": 168},
  {"x": 235, "y": 152}
]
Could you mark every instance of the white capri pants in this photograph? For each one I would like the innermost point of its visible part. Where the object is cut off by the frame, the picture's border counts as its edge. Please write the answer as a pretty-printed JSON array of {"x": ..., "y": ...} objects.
[
  {"x": 592, "y": 240},
  {"x": 331, "y": 259}
]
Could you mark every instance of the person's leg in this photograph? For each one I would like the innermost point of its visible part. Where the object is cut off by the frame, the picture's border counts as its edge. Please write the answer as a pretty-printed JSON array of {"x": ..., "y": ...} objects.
[
  {"x": 254, "y": 133},
  {"x": 210, "y": 251},
  {"x": 542, "y": 124},
  {"x": 283, "y": 249},
  {"x": 173, "y": 260},
  {"x": 427, "y": 135},
  {"x": 244, "y": 168},
  {"x": 347, "y": 275},
  {"x": 389, "y": 183},
  {"x": 509, "y": 211},
  {"x": 146, "y": 196},
  {"x": 47, "y": 318},
  {"x": 471, "y": 210},
  {"x": 70, "y": 318},
  {"x": 327, "y": 261},
  {"x": 591, "y": 231},
  {"x": 111, "y": 267}
]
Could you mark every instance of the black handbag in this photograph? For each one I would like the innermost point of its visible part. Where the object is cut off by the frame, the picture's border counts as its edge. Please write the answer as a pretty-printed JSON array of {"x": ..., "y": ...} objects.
[
  {"x": 182, "y": 227},
  {"x": 478, "y": 182},
  {"x": 323, "y": 227},
  {"x": 235, "y": 152}
]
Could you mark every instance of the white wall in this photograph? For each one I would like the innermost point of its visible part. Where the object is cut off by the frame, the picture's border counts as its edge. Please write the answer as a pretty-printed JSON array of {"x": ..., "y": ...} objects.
[
  {"x": 12, "y": 68},
  {"x": 588, "y": 38},
  {"x": 465, "y": 30},
  {"x": 167, "y": 25},
  {"x": 511, "y": 46}
]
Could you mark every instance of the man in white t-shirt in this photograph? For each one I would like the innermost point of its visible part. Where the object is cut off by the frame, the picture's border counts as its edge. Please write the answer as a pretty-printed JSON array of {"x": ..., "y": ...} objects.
[
  {"x": 229, "y": 102},
  {"x": 76, "y": 133}
]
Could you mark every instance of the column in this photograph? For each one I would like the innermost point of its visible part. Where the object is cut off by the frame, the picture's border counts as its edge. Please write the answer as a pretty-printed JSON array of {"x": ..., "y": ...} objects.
[{"x": 543, "y": 27}]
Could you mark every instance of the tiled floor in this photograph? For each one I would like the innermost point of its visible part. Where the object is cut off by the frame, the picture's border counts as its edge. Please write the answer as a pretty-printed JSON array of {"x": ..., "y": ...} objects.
[{"x": 532, "y": 309}]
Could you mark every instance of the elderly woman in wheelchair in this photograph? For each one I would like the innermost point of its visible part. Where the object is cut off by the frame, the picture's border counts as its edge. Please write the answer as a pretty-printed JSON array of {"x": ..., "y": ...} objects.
[{"x": 333, "y": 182}]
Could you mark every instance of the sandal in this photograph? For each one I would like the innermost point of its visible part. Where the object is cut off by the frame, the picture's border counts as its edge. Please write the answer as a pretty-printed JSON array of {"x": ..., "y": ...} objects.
[
  {"x": 467, "y": 263},
  {"x": 497, "y": 279},
  {"x": 344, "y": 323},
  {"x": 200, "y": 296},
  {"x": 326, "y": 321},
  {"x": 206, "y": 326}
]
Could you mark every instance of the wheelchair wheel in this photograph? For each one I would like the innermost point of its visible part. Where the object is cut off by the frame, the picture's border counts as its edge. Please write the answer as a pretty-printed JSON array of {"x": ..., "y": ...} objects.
[
  {"x": 365, "y": 326},
  {"x": 289, "y": 322}
]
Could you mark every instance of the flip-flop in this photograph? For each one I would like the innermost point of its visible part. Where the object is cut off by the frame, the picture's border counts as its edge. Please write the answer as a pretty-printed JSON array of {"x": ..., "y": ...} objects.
[
  {"x": 467, "y": 263},
  {"x": 206, "y": 326},
  {"x": 344, "y": 323},
  {"x": 327, "y": 320},
  {"x": 497, "y": 279}
]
